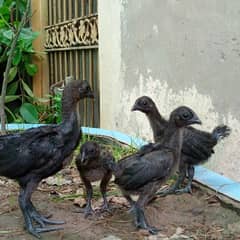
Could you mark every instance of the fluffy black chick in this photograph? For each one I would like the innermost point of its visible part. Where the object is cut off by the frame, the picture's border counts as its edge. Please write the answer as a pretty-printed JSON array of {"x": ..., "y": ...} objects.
[
  {"x": 90, "y": 164},
  {"x": 37, "y": 153},
  {"x": 143, "y": 174},
  {"x": 197, "y": 145}
]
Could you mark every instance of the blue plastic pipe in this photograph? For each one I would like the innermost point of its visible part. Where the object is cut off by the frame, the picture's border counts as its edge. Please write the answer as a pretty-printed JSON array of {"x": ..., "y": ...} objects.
[{"x": 211, "y": 179}]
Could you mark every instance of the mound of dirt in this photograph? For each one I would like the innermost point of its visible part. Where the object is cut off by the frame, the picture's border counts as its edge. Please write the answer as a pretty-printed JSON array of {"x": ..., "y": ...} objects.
[{"x": 199, "y": 216}]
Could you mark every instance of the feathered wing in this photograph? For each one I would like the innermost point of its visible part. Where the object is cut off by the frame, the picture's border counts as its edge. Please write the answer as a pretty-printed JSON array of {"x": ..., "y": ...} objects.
[
  {"x": 198, "y": 145},
  {"x": 27, "y": 150},
  {"x": 141, "y": 170}
]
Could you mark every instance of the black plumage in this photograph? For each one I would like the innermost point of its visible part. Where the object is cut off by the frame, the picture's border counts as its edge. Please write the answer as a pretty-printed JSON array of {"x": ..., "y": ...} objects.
[
  {"x": 37, "y": 153},
  {"x": 144, "y": 173},
  {"x": 197, "y": 145},
  {"x": 90, "y": 166}
]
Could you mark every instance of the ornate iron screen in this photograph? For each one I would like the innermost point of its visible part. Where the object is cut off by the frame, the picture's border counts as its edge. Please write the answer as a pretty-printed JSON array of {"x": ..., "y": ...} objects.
[{"x": 72, "y": 47}]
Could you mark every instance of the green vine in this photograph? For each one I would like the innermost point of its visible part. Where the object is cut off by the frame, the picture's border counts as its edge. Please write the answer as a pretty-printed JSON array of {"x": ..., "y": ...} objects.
[{"x": 20, "y": 103}]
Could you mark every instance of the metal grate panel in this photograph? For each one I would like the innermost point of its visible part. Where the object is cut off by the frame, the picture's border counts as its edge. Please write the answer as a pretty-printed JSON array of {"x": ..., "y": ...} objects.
[{"x": 72, "y": 47}]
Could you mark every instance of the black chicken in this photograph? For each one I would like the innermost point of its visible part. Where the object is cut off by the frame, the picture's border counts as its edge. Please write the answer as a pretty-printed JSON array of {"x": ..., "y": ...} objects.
[
  {"x": 143, "y": 174},
  {"x": 90, "y": 166},
  {"x": 197, "y": 145},
  {"x": 38, "y": 153}
]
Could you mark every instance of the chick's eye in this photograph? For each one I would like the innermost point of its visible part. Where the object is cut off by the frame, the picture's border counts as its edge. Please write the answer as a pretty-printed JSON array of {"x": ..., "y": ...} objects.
[
  {"x": 144, "y": 103},
  {"x": 185, "y": 115}
]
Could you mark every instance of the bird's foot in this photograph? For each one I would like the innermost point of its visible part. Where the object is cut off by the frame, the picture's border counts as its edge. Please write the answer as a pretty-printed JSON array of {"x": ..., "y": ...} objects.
[
  {"x": 106, "y": 208},
  {"x": 152, "y": 230},
  {"x": 37, "y": 217},
  {"x": 142, "y": 225},
  {"x": 131, "y": 209},
  {"x": 36, "y": 230},
  {"x": 89, "y": 212},
  {"x": 166, "y": 192},
  {"x": 187, "y": 189}
]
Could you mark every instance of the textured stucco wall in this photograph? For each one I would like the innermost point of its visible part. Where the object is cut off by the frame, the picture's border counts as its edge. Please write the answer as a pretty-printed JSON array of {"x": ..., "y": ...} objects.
[{"x": 177, "y": 52}]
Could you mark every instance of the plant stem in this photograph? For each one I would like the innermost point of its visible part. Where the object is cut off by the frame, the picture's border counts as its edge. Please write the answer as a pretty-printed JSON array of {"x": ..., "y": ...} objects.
[{"x": 8, "y": 67}]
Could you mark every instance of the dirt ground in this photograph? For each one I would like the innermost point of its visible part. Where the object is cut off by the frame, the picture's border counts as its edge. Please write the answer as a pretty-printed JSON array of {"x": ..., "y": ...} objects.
[{"x": 198, "y": 216}]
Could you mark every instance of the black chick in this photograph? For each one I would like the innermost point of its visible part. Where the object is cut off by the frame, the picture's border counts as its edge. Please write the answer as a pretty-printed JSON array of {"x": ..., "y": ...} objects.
[
  {"x": 37, "y": 153},
  {"x": 143, "y": 174},
  {"x": 90, "y": 166},
  {"x": 197, "y": 145}
]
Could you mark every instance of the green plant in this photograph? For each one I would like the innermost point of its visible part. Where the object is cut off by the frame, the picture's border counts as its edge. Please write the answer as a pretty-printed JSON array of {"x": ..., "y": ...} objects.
[
  {"x": 21, "y": 104},
  {"x": 57, "y": 107}
]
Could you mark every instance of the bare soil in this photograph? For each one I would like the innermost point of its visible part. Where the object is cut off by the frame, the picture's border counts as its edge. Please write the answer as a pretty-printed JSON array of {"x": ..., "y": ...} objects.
[{"x": 198, "y": 216}]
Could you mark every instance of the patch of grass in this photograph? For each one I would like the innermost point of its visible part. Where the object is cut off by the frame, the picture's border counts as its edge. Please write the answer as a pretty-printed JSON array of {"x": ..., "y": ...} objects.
[
  {"x": 118, "y": 149},
  {"x": 65, "y": 197}
]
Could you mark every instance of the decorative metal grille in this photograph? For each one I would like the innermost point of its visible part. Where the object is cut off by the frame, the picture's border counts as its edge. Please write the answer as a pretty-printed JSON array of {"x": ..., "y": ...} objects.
[{"x": 72, "y": 46}]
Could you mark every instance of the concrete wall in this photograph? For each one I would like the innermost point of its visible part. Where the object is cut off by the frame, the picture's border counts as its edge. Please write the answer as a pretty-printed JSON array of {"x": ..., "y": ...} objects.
[{"x": 177, "y": 52}]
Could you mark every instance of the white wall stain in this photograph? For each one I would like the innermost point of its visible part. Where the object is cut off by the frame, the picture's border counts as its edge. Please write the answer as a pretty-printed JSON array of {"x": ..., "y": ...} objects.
[
  {"x": 155, "y": 29},
  {"x": 186, "y": 49},
  {"x": 226, "y": 157}
]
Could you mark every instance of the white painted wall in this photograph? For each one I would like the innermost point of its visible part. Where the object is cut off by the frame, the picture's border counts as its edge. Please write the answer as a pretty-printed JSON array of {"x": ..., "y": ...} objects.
[
  {"x": 109, "y": 60},
  {"x": 177, "y": 52}
]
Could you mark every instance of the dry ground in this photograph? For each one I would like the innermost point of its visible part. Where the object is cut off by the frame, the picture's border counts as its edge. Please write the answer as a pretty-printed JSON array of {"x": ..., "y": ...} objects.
[{"x": 199, "y": 216}]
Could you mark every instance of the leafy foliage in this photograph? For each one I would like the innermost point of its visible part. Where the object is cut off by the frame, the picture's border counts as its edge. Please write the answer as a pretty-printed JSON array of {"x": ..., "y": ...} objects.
[
  {"x": 53, "y": 113},
  {"x": 22, "y": 105}
]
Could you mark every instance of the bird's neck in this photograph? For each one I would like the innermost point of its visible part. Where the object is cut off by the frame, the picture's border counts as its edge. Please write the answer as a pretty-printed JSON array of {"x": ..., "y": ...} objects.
[
  {"x": 71, "y": 123},
  {"x": 157, "y": 123},
  {"x": 70, "y": 107},
  {"x": 173, "y": 138}
]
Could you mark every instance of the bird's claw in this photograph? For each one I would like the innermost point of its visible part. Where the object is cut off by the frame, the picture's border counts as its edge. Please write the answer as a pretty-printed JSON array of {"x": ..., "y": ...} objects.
[
  {"x": 43, "y": 220},
  {"x": 131, "y": 209},
  {"x": 88, "y": 212},
  {"x": 152, "y": 230},
  {"x": 106, "y": 208},
  {"x": 35, "y": 231},
  {"x": 50, "y": 229},
  {"x": 187, "y": 189},
  {"x": 166, "y": 192}
]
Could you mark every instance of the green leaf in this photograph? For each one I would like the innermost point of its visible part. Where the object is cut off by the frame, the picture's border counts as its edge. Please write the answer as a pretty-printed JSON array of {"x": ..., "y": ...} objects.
[
  {"x": 3, "y": 57},
  {"x": 29, "y": 113},
  {"x": 27, "y": 89},
  {"x": 12, "y": 88},
  {"x": 11, "y": 98},
  {"x": 12, "y": 74},
  {"x": 10, "y": 113},
  {"x": 28, "y": 35},
  {"x": 31, "y": 69},
  {"x": 8, "y": 34},
  {"x": 4, "y": 11},
  {"x": 1, "y": 3},
  {"x": 17, "y": 57}
]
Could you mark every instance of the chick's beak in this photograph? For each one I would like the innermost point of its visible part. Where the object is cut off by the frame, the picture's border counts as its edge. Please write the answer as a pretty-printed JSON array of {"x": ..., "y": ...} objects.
[
  {"x": 134, "y": 107},
  {"x": 83, "y": 157},
  {"x": 195, "y": 120}
]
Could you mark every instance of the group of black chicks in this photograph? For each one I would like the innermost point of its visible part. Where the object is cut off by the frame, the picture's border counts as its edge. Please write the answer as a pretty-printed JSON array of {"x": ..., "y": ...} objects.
[
  {"x": 37, "y": 153},
  {"x": 177, "y": 146}
]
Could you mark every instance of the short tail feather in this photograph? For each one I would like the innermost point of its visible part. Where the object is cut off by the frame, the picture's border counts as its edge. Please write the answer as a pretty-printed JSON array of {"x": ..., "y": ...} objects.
[{"x": 221, "y": 132}]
